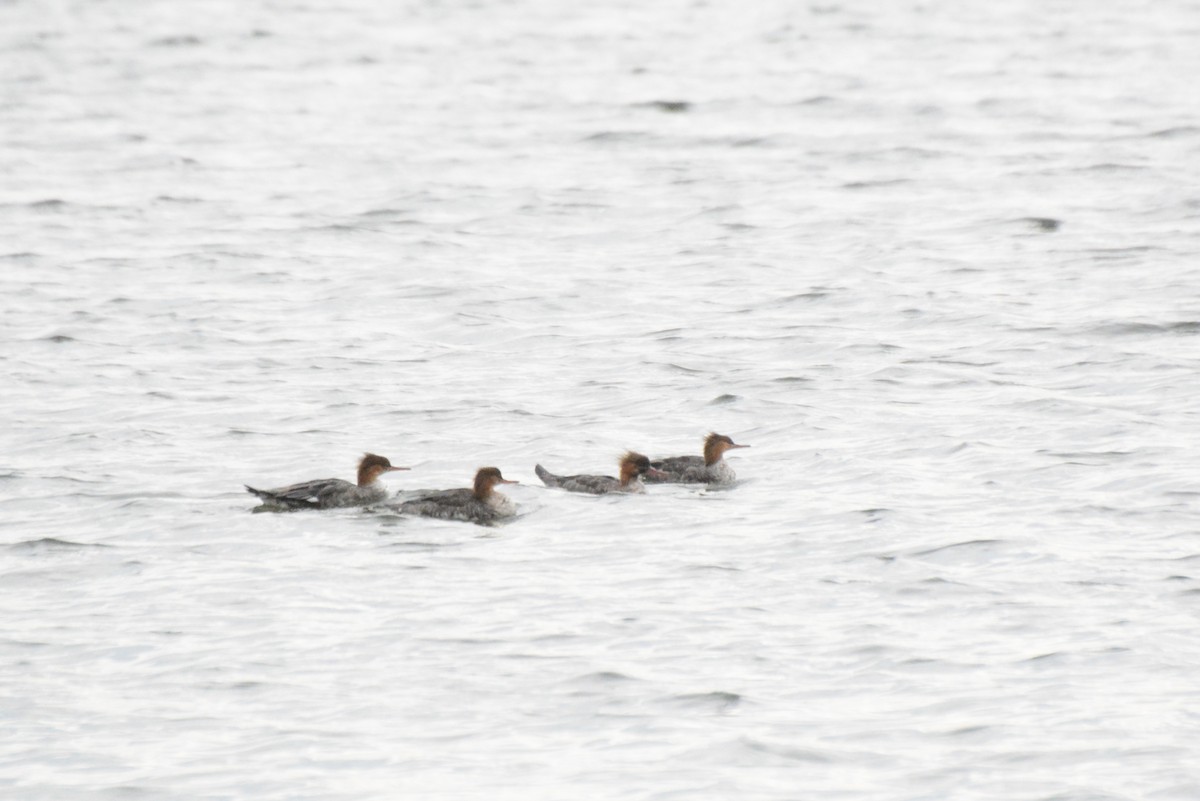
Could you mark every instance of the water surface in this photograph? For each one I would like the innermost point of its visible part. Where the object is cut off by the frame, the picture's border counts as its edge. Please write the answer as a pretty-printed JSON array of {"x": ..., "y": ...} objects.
[{"x": 937, "y": 264}]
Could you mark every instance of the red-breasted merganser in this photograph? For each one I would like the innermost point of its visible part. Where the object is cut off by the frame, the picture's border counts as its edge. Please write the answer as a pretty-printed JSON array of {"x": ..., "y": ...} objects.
[
  {"x": 633, "y": 467},
  {"x": 329, "y": 493},
  {"x": 481, "y": 504},
  {"x": 709, "y": 469}
]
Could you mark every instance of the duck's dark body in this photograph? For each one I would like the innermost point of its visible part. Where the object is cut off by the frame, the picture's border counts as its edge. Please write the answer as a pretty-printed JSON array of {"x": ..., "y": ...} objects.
[
  {"x": 324, "y": 493},
  {"x": 460, "y": 504},
  {"x": 692, "y": 470},
  {"x": 594, "y": 485}
]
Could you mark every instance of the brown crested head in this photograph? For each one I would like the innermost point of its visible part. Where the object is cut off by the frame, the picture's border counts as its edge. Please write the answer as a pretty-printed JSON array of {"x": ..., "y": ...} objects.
[
  {"x": 633, "y": 464},
  {"x": 715, "y": 446},
  {"x": 486, "y": 478},
  {"x": 372, "y": 466}
]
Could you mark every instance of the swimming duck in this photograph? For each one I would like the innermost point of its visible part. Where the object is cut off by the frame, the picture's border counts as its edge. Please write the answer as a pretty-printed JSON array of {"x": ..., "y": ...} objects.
[
  {"x": 708, "y": 469},
  {"x": 479, "y": 504},
  {"x": 331, "y": 493},
  {"x": 633, "y": 467}
]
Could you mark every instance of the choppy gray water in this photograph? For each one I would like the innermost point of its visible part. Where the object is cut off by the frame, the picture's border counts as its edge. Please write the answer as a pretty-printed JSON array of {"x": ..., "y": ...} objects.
[{"x": 938, "y": 263}]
